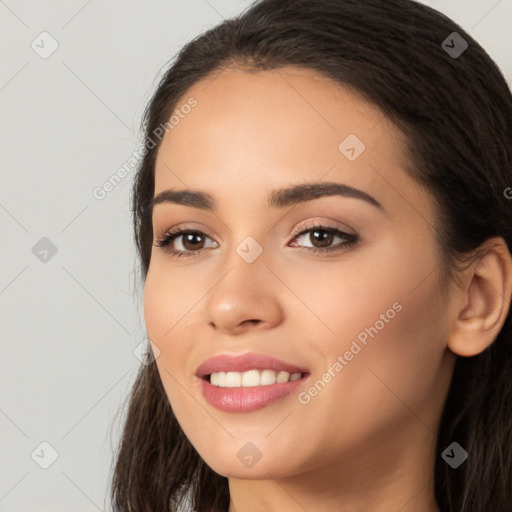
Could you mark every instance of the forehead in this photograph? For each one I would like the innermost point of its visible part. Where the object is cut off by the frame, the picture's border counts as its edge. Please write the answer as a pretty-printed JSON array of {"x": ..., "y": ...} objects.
[
  {"x": 287, "y": 101},
  {"x": 263, "y": 130}
]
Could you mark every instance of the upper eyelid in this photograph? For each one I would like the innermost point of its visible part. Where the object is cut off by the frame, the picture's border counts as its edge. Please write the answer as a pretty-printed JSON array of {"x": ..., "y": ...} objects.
[
  {"x": 320, "y": 225},
  {"x": 305, "y": 226}
]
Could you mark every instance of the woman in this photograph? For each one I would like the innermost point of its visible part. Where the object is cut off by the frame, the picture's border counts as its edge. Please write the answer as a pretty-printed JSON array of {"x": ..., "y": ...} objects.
[{"x": 324, "y": 231}]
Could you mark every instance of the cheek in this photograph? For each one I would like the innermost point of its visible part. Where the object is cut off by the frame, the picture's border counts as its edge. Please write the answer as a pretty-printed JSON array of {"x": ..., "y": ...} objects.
[
  {"x": 392, "y": 367},
  {"x": 168, "y": 298},
  {"x": 386, "y": 323},
  {"x": 164, "y": 305},
  {"x": 363, "y": 293},
  {"x": 169, "y": 306}
]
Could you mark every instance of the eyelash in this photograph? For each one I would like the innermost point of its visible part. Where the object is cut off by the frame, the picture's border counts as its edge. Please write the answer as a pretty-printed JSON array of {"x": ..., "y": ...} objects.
[{"x": 350, "y": 240}]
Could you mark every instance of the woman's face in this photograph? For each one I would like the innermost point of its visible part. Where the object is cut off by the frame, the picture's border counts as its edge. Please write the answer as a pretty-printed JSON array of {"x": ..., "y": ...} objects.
[{"x": 341, "y": 286}]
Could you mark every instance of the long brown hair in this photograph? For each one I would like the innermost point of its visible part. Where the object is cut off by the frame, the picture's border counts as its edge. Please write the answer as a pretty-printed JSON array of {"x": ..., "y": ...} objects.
[{"x": 456, "y": 111}]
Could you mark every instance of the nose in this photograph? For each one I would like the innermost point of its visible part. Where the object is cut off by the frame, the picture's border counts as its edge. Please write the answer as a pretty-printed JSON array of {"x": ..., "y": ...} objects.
[{"x": 247, "y": 298}]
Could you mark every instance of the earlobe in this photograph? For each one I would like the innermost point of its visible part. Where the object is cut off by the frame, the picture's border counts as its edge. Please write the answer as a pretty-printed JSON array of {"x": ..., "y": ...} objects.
[{"x": 487, "y": 298}]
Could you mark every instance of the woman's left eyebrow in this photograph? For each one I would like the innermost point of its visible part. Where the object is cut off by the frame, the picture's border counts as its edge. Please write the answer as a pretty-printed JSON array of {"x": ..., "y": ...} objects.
[{"x": 277, "y": 199}]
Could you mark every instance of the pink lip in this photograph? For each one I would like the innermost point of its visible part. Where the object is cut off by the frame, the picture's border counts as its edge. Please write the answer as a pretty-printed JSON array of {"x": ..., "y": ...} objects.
[
  {"x": 250, "y": 398},
  {"x": 247, "y": 399},
  {"x": 244, "y": 362}
]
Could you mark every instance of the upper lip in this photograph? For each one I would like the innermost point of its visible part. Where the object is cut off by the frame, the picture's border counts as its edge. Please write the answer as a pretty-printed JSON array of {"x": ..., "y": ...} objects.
[{"x": 244, "y": 362}]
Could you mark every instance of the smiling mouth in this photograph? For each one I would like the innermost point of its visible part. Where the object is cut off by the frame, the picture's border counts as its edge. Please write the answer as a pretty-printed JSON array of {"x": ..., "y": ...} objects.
[{"x": 251, "y": 378}]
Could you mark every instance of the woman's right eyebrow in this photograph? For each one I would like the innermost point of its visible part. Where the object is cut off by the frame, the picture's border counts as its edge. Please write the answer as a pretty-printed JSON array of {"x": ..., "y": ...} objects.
[{"x": 280, "y": 198}]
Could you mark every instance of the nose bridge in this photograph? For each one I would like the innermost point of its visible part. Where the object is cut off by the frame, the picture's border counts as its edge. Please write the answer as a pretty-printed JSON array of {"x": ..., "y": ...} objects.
[{"x": 244, "y": 295}]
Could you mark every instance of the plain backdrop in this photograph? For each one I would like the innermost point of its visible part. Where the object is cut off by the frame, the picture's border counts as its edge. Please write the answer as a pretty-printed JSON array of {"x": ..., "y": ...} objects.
[{"x": 71, "y": 319}]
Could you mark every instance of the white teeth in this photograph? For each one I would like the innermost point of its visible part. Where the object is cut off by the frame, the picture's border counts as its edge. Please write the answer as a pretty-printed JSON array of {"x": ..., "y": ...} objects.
[
  {"x": 233, "y": 379},
  {"x": 283, "y": 377},
  {"x": 251, "y": 378},
  {"x": 218, "y": 379},
  {"x": 268, "y": 377}
]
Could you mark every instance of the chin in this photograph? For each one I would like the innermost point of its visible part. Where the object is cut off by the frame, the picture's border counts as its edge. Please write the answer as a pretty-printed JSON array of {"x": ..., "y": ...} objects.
[
  {"x": 245, "y": 461},
  {"x": 259, "y": 471}
]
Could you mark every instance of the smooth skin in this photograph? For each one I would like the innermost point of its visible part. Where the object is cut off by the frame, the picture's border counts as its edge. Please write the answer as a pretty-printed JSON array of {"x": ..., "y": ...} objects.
[{"x": 366, "y": 441}]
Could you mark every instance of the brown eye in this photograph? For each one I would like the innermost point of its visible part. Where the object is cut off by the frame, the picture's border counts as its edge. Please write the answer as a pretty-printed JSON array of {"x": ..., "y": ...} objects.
[
  {"x": 192, "y": 241},
  {"x": 183, "y": 242},
  {"x": 321, "y": 238}
]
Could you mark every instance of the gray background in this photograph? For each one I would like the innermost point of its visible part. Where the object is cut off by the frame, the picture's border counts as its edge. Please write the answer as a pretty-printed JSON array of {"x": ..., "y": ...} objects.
[{"x": 72, "y": 320}]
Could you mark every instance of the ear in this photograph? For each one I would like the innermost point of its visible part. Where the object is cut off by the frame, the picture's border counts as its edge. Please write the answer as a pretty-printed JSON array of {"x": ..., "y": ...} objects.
[{"x": 487, "y": 290}]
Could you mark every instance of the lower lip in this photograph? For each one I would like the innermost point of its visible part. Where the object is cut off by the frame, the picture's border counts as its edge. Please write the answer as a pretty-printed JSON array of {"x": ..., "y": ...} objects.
[{"x": 247, "y": 399}]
